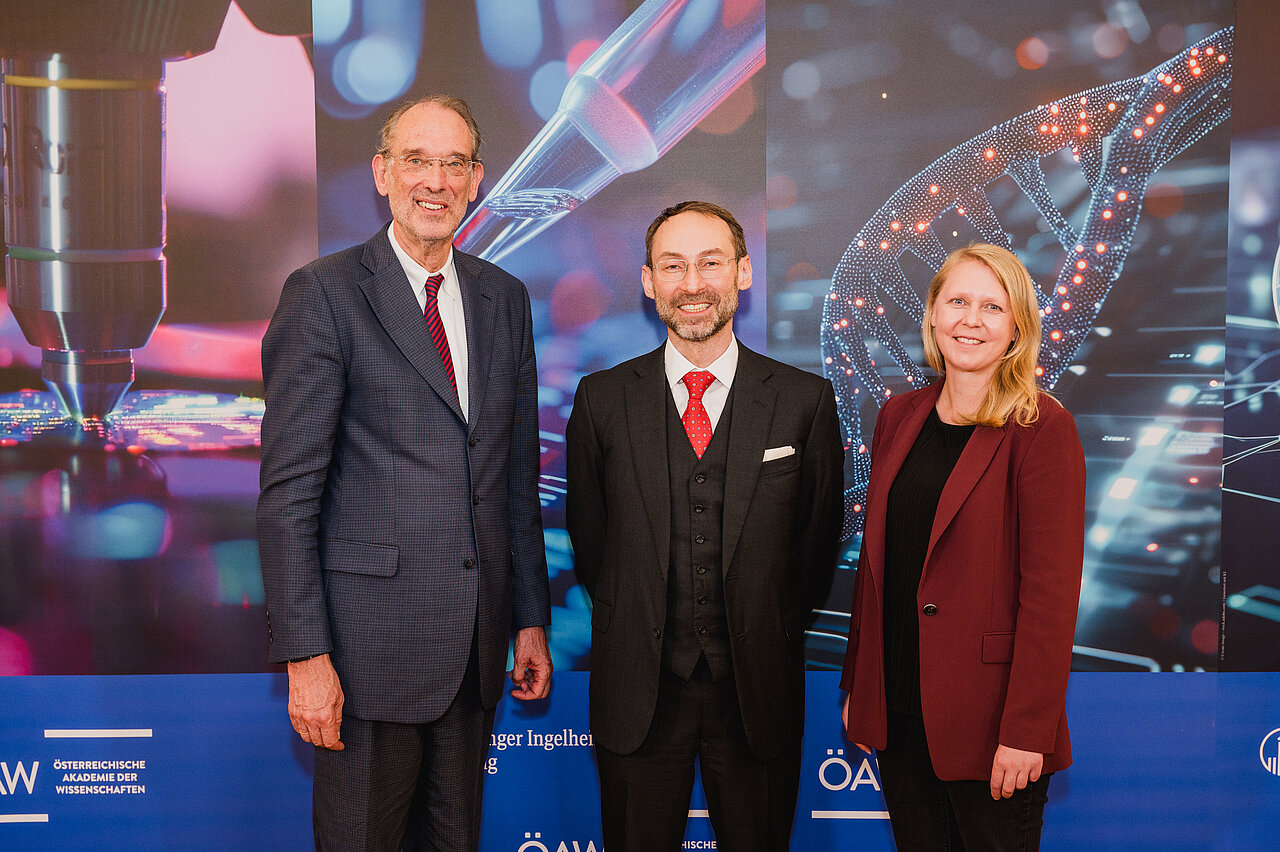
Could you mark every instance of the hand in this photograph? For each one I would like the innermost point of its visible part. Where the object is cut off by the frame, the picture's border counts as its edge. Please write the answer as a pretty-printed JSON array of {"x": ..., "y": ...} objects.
[
  {"x": 844, "y": 717},
  {"x": 532, "y": 672},
  {"x": 1014, "y": 769},
  {"x": 315, "y": 702}
]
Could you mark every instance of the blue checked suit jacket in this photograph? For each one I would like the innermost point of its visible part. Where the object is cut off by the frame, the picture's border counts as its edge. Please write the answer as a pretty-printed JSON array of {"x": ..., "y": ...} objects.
[{"x": 389, "y": 528}]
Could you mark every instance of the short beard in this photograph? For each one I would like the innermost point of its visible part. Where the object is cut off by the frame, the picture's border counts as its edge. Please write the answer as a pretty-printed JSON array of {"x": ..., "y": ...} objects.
[{"x": 671, "y": 317}]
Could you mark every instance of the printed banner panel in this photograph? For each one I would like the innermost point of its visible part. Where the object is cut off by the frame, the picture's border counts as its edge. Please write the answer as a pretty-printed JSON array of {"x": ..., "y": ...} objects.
[
  {"x": 1162, "y": 762},
  {"x": 1092, "y": 143}
]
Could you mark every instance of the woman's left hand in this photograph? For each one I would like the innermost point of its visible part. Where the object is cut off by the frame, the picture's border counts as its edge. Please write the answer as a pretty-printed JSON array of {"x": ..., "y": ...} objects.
[{"x": 1014, "y": 769}]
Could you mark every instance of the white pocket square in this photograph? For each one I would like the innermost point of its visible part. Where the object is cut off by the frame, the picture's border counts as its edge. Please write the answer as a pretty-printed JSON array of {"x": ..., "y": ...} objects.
[{"x": 778, "y": 453}]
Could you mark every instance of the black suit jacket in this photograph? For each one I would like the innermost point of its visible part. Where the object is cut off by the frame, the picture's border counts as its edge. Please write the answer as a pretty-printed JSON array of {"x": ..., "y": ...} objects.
[
  {"x": 390, "y": 529},
  {"x": 780, "y": 526}
]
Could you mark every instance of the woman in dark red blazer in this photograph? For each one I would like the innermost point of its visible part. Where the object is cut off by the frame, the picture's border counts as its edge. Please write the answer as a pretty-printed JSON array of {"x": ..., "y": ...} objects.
[{"x": 964, "y": 604}]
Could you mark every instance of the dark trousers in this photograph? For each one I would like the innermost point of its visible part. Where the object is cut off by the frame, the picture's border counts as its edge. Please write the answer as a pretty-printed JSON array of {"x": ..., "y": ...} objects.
[
  {"x": 929, "y": 815},
  {"x": 411, "y": 786},
  {"x": 644, "y": 796}
]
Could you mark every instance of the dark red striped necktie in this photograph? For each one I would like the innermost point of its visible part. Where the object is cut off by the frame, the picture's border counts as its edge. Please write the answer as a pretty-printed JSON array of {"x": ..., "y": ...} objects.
[{"x": 432, "y": 315}]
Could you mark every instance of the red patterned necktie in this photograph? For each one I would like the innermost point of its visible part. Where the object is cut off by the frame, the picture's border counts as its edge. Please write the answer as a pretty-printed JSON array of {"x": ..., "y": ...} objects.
[
  {"x": 432, "y": 315},
  {"x": 697, "y": 425}
]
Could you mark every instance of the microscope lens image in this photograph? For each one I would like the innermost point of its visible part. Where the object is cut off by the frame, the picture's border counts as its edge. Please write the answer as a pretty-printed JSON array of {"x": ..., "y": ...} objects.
[{"x": 155, "y": 201}]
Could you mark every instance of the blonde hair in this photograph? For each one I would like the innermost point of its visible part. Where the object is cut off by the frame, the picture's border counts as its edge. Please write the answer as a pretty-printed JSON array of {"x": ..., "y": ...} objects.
[{"x": 1013, "y": 392}]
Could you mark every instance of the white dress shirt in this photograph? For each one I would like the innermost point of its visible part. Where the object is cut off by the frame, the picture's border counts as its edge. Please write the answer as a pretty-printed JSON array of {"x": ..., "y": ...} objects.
[
  {"x": 449, "y": 301},
  {"x": 723, "y": 368}
]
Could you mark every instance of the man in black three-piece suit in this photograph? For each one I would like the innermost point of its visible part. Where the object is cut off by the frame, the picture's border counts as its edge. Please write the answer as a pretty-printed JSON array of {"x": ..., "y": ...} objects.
[
  {"x": 399, "y": 522},
  {"x": 704, "y": 505}
]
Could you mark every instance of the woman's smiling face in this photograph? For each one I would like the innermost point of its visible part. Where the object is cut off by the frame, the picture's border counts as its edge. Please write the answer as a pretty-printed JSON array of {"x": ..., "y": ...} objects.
[{"x": 972, "y": 321}]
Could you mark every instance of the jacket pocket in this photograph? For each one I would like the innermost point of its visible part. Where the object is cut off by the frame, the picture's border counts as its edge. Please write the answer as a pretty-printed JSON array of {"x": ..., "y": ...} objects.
[
  {"x": 780, "y": 465},
  {"x": 793, "y": 623},
  {"x": 997, "y": 647},
  {"x": 355, "y": 557}
]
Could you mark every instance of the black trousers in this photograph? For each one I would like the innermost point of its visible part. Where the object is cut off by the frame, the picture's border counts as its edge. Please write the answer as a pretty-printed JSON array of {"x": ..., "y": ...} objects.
[
  {"x": 416, "y": 787},
  {"x": 644, "y": 796},
  {"x": 930, "y": 815}
]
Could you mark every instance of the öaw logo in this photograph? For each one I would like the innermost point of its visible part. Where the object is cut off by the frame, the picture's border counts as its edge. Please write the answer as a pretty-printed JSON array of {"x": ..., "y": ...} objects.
[
  {"x": 11, "y": 779},
  {"x": 534, "y": 843},
  {"x": 837, "y": 773}
]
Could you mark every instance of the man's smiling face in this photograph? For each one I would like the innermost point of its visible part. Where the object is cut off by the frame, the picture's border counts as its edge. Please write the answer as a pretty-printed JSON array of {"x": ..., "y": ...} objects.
[
  {"x": 427, "y": 207},
  {"x": 695, "y": 308}
]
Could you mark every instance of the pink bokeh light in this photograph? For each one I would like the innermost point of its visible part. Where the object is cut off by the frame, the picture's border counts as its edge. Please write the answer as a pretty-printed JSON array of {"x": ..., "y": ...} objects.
[{"x": 239, "y": 119}]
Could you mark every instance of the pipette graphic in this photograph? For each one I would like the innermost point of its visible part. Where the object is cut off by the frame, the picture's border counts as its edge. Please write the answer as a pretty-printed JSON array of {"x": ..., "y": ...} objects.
[{"x": 650, "y": 83}]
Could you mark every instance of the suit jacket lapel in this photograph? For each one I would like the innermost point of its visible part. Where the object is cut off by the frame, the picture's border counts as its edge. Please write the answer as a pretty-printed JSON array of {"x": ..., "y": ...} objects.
[
  {"x": 391, "y": 297},
  {"x": 888, "y": 462},
  {"x": 749, "y": 420},
  {"x": 646, "y": 401},
  {"x": 479, "y": 309},
  {"x": 968, "y": 470}
]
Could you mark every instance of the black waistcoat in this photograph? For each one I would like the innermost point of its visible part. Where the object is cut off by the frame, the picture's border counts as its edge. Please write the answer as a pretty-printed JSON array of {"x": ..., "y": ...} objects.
[{"x": 696, "y": 623}]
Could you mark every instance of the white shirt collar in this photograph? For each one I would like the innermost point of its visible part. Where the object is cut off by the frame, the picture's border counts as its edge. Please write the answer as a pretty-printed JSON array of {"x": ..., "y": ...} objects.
[
  {"x": 723, "y": 368},
  {"x": 417, "y": 273}
]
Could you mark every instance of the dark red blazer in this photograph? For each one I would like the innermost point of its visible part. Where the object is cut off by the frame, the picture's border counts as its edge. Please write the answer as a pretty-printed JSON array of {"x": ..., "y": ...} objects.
[{"x": 997, "y": 598}]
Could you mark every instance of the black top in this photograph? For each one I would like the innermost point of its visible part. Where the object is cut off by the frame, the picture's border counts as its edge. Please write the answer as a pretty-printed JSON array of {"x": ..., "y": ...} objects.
[{"x": 913, "y": 502}]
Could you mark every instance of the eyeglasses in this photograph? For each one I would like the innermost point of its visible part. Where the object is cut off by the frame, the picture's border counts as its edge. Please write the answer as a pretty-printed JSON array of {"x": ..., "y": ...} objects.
[
  {"x": 710, "y": 267},
  {"x": 416, "y": 164}
]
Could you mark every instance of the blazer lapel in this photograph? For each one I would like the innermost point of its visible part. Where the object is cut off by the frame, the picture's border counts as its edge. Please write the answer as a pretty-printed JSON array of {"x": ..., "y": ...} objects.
[
  {"x": 645, "y": 397},
  {"x": 969, "y": 468},
  {"x": 480, "y": 311},
  {"x": 749, "y": 420},
  {"x": 888, "y": 462},
  {"x": 391, "y": 297}
]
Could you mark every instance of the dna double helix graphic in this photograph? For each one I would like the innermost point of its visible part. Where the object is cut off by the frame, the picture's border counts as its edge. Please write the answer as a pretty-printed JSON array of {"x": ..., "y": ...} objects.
[{"x": 1119, "y": 134}]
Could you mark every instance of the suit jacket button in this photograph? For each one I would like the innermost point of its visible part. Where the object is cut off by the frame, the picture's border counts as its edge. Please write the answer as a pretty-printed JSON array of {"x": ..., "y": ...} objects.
[
  {"x": 702, "y": 631},
  {"x": 700, "y": 539},
  {"x": 701, "y": 569},
  {"x": 700, "y": 478},
  {"x": 698, "y": 509},
  {"x": 468, "y": 563},
  {"x": 472, "y": 442},
  {"x": 657, "y": 634},
  {"x": 475, "y": 499},
  {"x": 930, "y": 609},
  {"x": 702, "y": 600}
]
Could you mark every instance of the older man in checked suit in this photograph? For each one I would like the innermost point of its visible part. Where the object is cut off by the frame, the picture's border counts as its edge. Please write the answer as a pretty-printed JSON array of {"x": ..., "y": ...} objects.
[{"x": 399, "y": 522}]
